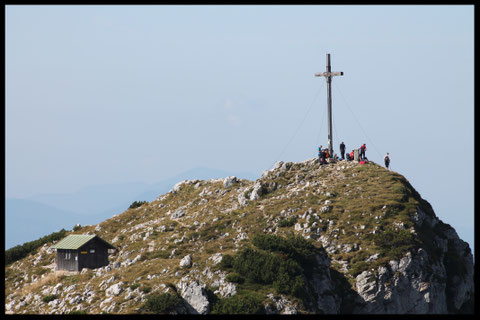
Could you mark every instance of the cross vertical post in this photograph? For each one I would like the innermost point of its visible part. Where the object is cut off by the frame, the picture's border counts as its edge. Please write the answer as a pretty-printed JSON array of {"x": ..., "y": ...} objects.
[{"x": 328, "y": 76}]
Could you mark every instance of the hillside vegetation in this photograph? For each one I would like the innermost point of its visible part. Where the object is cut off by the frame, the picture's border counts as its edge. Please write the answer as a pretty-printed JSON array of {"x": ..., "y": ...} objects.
[{"x": 264, "y": 246}]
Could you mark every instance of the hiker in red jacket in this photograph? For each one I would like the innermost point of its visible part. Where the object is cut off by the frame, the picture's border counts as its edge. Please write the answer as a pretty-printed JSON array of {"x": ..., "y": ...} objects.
[{"x": 363, "y": 148}]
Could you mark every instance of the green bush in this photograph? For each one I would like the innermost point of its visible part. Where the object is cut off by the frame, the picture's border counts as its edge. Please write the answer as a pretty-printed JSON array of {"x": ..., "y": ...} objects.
[
  {"x": 227, "y": 262},
  {"x": 134, "y": 286},
  {"x": 394, "y": 243},
  {"x": 49, "y": 298},
  {"x": 257, "y": 266},
  {"x": 137, "y": 204},
  {"x": 295, "y": 247},
  {"x": 163, "y": 254},
  {"x": 235, "y": 277},
  {"x": 77, "y": 312},
  {"x": 146, "y": 289},
  {"x": 161, "y": 303},
  {"x": 357, "y": 268},
  {"x": 239, "y": 304},
  {"x": 287, "y": 222},
  {"x": 280, "y": 262},
  {"x": 267, "y": 268},
  {"x": 21, "y": 251},
  {"x": 289, "y": 279}
]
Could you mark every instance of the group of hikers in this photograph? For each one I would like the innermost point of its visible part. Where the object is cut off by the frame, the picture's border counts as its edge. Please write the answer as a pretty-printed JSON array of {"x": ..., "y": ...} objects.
[{"x": 323, "y": 155}]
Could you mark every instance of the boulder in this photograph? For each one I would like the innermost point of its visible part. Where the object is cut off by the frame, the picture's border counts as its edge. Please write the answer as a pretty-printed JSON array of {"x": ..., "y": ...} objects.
[
  {"x": 195, "y": 295},
  {"x": 324, "y": 209},
  {"x": 104, "y": 303},
  {"x": 227, "y": 290},
  {"x": 257, "y": 191},
  {"x": 75, "y": 300},
  {"x": 242, "y": 199},
  {"x": 216, "y": 258},
  {"x": 114, "y": 290},
  {"x": 180, "y": 212},
  {"x": 177, "y": 186},
  {"x": 228, "y": 181},
  {"x": 186, "y": 261}
]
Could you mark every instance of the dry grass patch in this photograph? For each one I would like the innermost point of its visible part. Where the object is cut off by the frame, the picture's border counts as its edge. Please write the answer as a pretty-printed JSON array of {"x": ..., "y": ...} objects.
[{"x": 49, "y": 280}]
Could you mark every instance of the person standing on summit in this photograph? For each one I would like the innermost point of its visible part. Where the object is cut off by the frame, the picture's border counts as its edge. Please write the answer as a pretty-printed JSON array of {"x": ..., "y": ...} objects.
[
  {"x": 342, "y": 150},
  {"x": 363, "y": 148},
  {"x": 387, "y": 160}
]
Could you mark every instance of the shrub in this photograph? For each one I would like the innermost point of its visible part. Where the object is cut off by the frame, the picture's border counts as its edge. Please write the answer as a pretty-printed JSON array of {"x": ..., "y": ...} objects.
[
  {"x": 227, "y": 262},
  {"x": 257, "y": 266},
  {"x": 280, "y": 262},
  {"x": 21, "y": 251},
  {"x": 239, "y": 304},
  {"x": 49, "y": 298},
  {"x": 137, "y": 204},
  {"x": 211, "y": 296},
  {"x": 287, "y": 222},
  {"x": 295, "y": 247},
  {"x": 394, "y": 243},
  {"x": 357, "y": 268},
  {"x": 145, "y": 289},
  {"x": 286, "y": 284},
  {"x": 77, "y": 227},
  {"x": 161, "y": 303},
  {"x": 77, "y": 312},
  {"x": 171, "y": 286},
  {"x": 134, "y": 286},
  {"x": 235, "y": 277},
  {"x": 267, "y": 268}
]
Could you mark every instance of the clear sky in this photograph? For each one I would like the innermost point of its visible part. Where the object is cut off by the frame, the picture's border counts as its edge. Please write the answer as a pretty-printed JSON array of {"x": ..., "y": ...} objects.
[{"x": 110, "y": 94}]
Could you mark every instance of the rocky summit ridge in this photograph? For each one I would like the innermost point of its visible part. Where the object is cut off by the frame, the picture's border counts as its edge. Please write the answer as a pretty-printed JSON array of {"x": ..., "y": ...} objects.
[{"x": 340, "y": 238}]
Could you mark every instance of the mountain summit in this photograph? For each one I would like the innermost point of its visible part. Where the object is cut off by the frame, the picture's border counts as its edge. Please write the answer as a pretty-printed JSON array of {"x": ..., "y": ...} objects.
[{"x": 340, "y": 238}]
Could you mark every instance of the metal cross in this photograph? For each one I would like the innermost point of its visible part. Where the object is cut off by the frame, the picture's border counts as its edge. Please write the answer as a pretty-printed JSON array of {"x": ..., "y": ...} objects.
[{"x": 328, "y": 75}]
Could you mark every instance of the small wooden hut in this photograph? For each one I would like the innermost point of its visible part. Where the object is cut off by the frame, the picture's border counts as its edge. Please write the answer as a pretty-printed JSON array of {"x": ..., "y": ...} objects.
[{"x": 78, "y": 251}]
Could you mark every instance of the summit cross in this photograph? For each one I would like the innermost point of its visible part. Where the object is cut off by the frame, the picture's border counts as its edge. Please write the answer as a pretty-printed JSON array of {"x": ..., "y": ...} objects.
[{"x": 328, "y": 75}]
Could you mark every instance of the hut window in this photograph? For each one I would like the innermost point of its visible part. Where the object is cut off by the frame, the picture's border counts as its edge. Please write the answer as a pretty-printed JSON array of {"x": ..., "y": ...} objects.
[
  {"x": 67, "y": 255},
  {"x": 92, "y": 250}
]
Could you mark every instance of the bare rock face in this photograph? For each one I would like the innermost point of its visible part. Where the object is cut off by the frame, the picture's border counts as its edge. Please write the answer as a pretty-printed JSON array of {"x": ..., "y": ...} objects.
[
  {"x": 419, "y": 283},
  {"x": 194, "y": 295},
  {"x": 323, "y": 288}
]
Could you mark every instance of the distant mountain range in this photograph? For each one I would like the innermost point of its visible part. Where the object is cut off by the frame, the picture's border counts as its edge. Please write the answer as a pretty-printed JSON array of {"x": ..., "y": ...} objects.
[{"x": 36, "y": 216}]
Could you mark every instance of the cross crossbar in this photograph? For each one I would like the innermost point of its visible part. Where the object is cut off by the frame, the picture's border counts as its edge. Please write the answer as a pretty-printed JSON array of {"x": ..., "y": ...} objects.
[{"x": 328, "y": 74}]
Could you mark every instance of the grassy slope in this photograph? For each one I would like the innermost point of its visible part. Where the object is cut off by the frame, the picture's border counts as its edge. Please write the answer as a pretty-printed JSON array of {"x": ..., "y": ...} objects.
[{"x": 363, "y": 198}]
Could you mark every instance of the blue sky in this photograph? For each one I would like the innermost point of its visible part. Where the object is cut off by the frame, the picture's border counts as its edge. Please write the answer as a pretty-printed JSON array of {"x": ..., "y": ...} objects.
[{"x": 111, "y": 94}]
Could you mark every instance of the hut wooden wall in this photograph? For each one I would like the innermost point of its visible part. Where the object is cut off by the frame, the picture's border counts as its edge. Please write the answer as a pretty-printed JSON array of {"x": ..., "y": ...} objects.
[
  {"x": 93, "y": 260},
  {"x": 63, "y": 263}
]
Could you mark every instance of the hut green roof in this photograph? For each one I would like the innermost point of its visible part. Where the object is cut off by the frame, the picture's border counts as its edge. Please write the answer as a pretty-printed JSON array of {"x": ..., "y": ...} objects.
[{"x": 75, "y": 241}]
